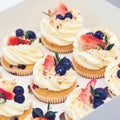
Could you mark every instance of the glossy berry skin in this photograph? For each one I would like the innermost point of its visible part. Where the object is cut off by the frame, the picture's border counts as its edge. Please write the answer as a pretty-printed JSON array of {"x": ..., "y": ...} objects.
[
  {"x": 118, "y": 73},
  {"x": 90, "y": 33},
  {"x": 68, "y": 15},
  {"x": 21, "y": 66},
  {"x": 102, "y": 93},
  {"x": 60, "y": 70},
  {"x": 19, "y": 98},
  {"x": 31, "y": 34},
  {"x": 37, "y": 112},
  {"x": 99, "y": 34},
  {"x": 18, "y": 90},
  {"x": 60, "y": 17},
  {"x": 97, "y": 103},
  {"x": 19, "y": 32},
  {"x": 50, "y": 115}
]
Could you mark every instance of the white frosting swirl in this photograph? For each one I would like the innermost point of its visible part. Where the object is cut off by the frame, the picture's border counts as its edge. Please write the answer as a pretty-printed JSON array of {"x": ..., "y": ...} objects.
[
  {"x": 52, "y": 81},
  {"x": 61, "y": 32},
  {"x": 11, "y": 108},
  {"x": 22, "y": 54},
  {"x": 95, "y": 58}
]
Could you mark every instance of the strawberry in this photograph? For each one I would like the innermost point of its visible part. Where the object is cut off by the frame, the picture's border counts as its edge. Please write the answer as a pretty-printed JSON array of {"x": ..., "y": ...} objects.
[
  {"x": 49, "y": 62},
  {"x": 88, "y": 41},
  {"x": 8, "y": 94},
  {"x": 86, "y": 94},
  {"x": 119, "y": 65},
  {"x": 40, "y": 118}
]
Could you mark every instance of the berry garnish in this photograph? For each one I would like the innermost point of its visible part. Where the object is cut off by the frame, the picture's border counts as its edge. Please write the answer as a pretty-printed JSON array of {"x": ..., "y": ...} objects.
[
  {"x": 60, "y": 69},
  {"x": 40, "y": 118},
  {"x": 37, "y": 112},
  {"x": 119, "y": 65},
  {"x": 19, "y": 32},
  {"x": 59, "y": 16},
  {"x": 68, "y": 15},
  {"x": 118, "y": 73},
  {"x": 99, "y": 34},
  {"x": 21, "y": 66},
  {"x": 19, "y": 98},
  {"x": 50, "y": 115},
  {"x": 97, "y": 102},
  {"x": 13, "y": 40},
  {"x": 30, "y": 35},
  {"x": 18, "y": 90},
  {"x": 90, "y": 33}
]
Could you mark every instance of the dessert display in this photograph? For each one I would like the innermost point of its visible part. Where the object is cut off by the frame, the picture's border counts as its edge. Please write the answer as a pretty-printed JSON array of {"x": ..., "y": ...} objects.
[
  {"x": 15, "y": 103},
  {"x": 20, "y": 51},
  {"x": 53, "y": 79},
  {"x": 59, "y": 27},
  {"x": 80, "y": 101},
  {"x": 93, "y": 51}
]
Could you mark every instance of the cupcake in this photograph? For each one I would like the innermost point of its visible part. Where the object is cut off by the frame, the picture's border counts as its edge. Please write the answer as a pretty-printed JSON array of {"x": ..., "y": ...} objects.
[
  {"x": 93, "y": 51},
  {"x": 53, "y": 79},
  {"x": 112, "y": 77},
  {"x": 80, "y": 102},
  {"x": 59, "y": 28},
  {"x": 15, "y": 103},
  {"x": 20, "y": 52}
]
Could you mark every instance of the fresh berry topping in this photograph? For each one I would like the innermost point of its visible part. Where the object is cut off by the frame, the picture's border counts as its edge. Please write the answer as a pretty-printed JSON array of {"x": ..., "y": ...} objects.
[
  {"x": 90, "y": 33},
  {"x": 99, "y": 34},
  {"x": 31, "y": 34},
  {"x": 21, "y": 66},
  {"x": 118, "y": 73},
  {"x": 37, "y": 112},
  {"x": 102, "y": 94},
  {"x": 50, "y": 115},
  {"x": 49, "y": 62},
  {"x": 89, "y": 41},
  {"x": 19, "y": 32},
  {"x": 19, "y": 98},
  {"x": 86, "y": 93},
  {"x": 60, "y": 69},
  {"x": 40, "y": 118},
  {"x": 68, "y": 15},
  {"x": 119, "y": 65},
  {"x": 13, "y": 40},
  {"x": 18, "y": 90},
  {"x": 97, "y": 102},
  {"x": 59, "y": 16},
  {"x": 8, "y": 94}
]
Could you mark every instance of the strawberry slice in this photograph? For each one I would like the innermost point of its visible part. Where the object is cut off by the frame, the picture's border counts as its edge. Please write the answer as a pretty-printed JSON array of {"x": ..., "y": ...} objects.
[
  {"x": 8, "y": 94},
  {"x": 40, "y": 118},
  {"x": 60, "y": 9},
  {"x": 49, "y": 62},
  {"x": 89, "y": 41},
  {"x": 85, "y": 95}
]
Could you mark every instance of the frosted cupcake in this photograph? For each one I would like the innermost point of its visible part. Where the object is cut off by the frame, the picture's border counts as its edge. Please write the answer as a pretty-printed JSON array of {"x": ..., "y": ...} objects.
[
  {"x": 15, "y": 103},
  {"x": 112, "y": 77},
  {"x": 20, "y": 51},
  {"x": 93, "y": 51},
  {"x": 81, "y": 102},
  {"x": 53, "y": 79},
  {"x": 59, "y": 28}
]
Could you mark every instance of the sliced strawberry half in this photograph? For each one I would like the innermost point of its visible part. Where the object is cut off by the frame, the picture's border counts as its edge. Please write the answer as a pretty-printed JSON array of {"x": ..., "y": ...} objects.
[
  {"x": 85, "y": 95},
  {"x": 88, "y": 41},
  {"x": 49, "y": 62},
  {"x": 40, "y": 118},
  {"x": 8, "y": 94}
]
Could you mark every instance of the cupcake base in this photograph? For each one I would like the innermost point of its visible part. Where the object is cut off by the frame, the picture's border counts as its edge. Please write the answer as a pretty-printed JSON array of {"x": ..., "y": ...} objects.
[
  {"x": 56, "y": 48},
  {"x": 21, "y": 117},
  {"x": 54, "y": 97},
  {"x": 15, "y": 70},
  {"x": 87, "y": 73},
  {"x": 67, "y": 117}
]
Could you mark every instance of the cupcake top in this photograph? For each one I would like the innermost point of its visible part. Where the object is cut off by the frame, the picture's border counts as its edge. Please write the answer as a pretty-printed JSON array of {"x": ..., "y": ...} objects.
[
  {"x": 14, "y": 99},
  {"x": 112, "y": 76},
  {"x": 54, "y": 73},
  {"x": 83, "y": 101},
  {"x": 21, "y": 47},
  {"x": 96, "y": 48},
  {"x": 61, "y": 25}
]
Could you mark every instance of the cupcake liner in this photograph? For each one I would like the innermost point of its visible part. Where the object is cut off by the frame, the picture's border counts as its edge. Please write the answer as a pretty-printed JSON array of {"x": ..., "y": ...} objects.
[
  {"x": 56, "y": 48},
  {"x": 67, "y": 117},
  {"x": 87, "y": 73},
  {"x": 15, "y": 70}
]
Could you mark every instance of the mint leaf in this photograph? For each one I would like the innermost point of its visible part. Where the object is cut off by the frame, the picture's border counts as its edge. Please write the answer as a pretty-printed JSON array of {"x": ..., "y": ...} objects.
[
  {"x": 109, "y": 47},
  {"x": 93, "y": 92},
  {"x": 106, "y": 39},
  {"x": 2, "y": 98},
  {"x": 57, "y": 56}
]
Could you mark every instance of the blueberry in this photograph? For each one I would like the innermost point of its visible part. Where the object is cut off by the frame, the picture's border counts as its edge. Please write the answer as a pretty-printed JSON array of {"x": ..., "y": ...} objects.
[
  {"x": 90, "y": 33},
  {"x": 18, "y": 90},
  {"x": 21, "y": 66},
  {"x": 37, "y": 112},
  {"x": 19, "y": 32},
  {"x": 19, "y": 98},
  {"x": 59, "y": 16},
  {"x": 99, "y": 34},
  {"x": 68, "y": 15},
  {"x": 97, "y": 103},
  {"x": 31, "y": 35},
  {"x": 50, "y": 115},
  {"x": 118, "y": 73},
  {"x": 101, "y": 92},
  {"x": 60, "y": 69}
]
